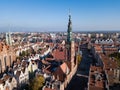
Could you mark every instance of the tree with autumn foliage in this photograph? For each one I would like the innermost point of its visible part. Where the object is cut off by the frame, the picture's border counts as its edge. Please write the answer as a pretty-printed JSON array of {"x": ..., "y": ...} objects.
[
  {"x": 37, "y": 83},
  {"x": 79, "y": 57}
]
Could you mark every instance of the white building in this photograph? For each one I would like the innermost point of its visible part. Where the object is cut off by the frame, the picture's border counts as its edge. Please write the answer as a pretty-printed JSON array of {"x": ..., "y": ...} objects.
[
  {"x": 22, "y": 75},
  {"x": 8, "y": 83},
  {"x": 33, "y": 66}
]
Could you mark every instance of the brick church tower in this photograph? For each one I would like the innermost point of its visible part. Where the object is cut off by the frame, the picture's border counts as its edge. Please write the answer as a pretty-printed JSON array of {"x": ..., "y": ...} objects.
[{"x": 70, "y": 44}]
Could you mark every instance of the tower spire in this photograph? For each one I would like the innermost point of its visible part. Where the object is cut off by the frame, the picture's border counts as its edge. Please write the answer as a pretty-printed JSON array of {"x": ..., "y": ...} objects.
[
  {"x": 69, "y": 31},
  {"x": 69, "y": 37},
  {"x": 69, "y": 16},
  {"x": 8, "y": 38}
]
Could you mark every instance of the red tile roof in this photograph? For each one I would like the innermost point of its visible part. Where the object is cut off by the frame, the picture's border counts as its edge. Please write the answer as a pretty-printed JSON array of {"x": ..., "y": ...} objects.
[
  {"x": 97, "y": 78},
  {"x": 59, "y": 54}
]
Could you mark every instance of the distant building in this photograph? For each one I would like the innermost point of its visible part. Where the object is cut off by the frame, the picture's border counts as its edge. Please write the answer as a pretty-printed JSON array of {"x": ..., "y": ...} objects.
[
  {"x": 89, "y": 35},
  {"x": 101, "y": 41},
  {"x": 8, "y": 39},
  {"x": 101, "y": 35},
  {"x": 97, "y": 35},
  {"x": 117, "y": 35}
]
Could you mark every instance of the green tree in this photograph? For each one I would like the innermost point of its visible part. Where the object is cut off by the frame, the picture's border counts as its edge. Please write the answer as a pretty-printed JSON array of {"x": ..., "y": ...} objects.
[
  {"x": 116, "y": 55},
  {"x": 27, "y": 53},
  {"x": 23, "y": 53},
  {"x": 37, "y": 83},
  {"x": 93, "y": 36}
]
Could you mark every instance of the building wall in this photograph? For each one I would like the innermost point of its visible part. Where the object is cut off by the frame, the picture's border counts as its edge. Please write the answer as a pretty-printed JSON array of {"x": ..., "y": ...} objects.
[
  {"x": 117, "y": 74},
  {"x": 68, "y": 78},
  {"x": 7, "y": 56},
  {"x": 72, "y": 54},
  {"x": 9, "y": 85}
]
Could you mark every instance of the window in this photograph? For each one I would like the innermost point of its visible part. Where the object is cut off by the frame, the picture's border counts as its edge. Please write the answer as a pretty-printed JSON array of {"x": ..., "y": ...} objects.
[
  {"x": 5, "y": 62},
  {"x": 10, "y": 60},
  {"x": 0, "y": 66}
]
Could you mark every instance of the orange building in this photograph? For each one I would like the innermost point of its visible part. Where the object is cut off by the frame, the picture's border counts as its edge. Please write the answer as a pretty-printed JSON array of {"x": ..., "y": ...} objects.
[{"x": 7, "y": 56}]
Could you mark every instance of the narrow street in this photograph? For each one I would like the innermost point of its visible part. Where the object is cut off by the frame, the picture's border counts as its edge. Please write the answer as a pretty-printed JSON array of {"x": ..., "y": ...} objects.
[{"x": 80, "y": 80}]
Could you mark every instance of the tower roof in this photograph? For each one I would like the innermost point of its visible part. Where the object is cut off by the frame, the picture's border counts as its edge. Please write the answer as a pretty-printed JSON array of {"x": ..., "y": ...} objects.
[{"x": 69, "y": 31}]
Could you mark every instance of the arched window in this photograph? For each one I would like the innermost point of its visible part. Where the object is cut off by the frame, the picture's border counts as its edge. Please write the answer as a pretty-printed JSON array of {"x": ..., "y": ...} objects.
[
  {"x": 5, "y": 62},
  {"x": 0, "y": 66},
  {"x": 10, "y": 60}
]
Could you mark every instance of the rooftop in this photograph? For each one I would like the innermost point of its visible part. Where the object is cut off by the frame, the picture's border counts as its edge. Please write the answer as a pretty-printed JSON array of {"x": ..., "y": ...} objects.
[{"x": 97, "y": 78}]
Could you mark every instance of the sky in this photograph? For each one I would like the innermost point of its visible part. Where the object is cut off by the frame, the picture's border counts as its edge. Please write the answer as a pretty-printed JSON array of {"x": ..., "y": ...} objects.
[{"x": 52, "y": 15}]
